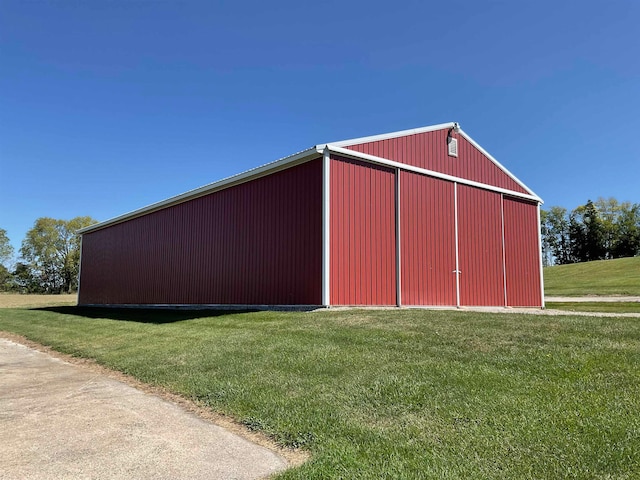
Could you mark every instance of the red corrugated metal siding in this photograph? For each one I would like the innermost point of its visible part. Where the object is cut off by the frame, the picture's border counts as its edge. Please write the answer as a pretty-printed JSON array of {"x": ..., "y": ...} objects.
[
  {"x": 480, "y": 247},
  {"x": 429, "y": 150},
  {"x": 363, "y": 268},
  {"x": 522, "y": 258},
  {"x": 259, "y": 242},
  {"x": 427, "y": 233}
]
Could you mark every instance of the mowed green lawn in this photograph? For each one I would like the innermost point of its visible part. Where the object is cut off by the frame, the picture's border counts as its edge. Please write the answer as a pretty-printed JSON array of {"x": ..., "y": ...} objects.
[
  {"x": 603, "y": 277},
  {"x": 607, "y": 307},
  {"x": 405, "y": 394}
]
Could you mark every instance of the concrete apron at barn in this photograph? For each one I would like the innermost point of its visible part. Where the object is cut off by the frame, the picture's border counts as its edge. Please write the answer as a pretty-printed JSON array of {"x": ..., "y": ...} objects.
[{"x": 59, "y": 420}]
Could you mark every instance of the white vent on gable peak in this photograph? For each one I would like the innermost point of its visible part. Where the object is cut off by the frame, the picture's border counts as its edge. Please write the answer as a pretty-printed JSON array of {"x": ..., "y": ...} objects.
[{"x": 452, "y": 146}]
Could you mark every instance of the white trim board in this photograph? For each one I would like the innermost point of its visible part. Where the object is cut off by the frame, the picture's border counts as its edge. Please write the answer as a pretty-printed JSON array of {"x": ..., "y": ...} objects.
[
  {"x": 540, "y": 258},
  {"x": 397, "y": 212},
  {"x": 326, "y": 228}
]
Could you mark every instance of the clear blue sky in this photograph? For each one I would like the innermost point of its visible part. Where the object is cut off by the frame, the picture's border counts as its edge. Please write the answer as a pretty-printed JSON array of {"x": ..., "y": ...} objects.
[{"x": 107, "y": 106}]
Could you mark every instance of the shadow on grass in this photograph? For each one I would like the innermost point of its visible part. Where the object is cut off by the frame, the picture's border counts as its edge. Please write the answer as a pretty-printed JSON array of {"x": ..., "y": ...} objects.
[{"x": 141, "y": 315}]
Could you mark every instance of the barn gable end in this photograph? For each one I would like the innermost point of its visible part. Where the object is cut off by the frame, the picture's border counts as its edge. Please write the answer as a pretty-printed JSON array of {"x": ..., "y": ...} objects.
[{"x": 428, "y": 150}]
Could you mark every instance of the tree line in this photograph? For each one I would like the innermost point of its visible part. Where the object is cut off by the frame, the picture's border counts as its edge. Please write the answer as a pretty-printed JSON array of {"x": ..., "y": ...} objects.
[
  {"x": 49, "y": 257},
  {"x": 598, "y": 230}
]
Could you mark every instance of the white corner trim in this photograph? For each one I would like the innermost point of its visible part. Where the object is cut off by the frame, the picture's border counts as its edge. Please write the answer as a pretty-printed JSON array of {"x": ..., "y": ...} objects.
[
  {"x": 455, "y": 233},
  {"x": 504, "y": 253},
  {"x": 540, "y": 255},
  {"x": 260, "y": 171},
  {"x": 498, "y": 164},
  {"x": 398, "y": 243},
  {"x": 386, "y": 136},
  {"x": 79, "y": 270},
  {"x": 326, "y": 225},
  {"x": 431, "y": 173}
]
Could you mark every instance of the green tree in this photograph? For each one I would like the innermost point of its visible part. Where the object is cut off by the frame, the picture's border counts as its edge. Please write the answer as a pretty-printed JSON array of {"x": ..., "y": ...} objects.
[
  {"x": 6, "y": 250},
  {"x": 609, "y": 210},
  {"x": 547, "y": 256},
  {"x": 627, "y": 224},
  {"x": 5, "y": 278},
  {"x": 6, "y": 257},
  {"x": 595, "y": 235},
  {"x": 597, "y": 230},
  {"x": 586, "y": 234},
  {"x": 555, "y": 235},
  {"x": 577, "y": 236},
  {"x": 621, "y": 224},
  {"x": 23, "y": 281},
  {"x": 51, "y": 250}
]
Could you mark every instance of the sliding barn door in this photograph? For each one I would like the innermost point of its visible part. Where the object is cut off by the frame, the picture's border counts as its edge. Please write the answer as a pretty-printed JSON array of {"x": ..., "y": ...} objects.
[
  {"x": 480, "y": 252},
  {"x": 427, "y": 232}
]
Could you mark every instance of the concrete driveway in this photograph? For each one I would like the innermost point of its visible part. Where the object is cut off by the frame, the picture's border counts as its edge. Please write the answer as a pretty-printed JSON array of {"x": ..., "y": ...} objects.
[{"x": 64, "y": 421}]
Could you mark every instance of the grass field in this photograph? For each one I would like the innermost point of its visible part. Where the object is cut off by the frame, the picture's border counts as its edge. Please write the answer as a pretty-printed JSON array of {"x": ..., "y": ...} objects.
[
  {"x": 388, "y": 394},
  {"x": 15, "y": 300},
  {"x": 609, "y": 307},
  {"x": 603, "y": 277}
]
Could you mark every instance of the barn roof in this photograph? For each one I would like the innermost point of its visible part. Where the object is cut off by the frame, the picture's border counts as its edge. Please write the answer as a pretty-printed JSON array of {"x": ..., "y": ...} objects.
[{"x": 315, "y": 152}]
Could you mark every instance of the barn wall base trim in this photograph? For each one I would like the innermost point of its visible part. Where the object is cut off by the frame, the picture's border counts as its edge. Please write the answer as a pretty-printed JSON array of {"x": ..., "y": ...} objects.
[
  {"x": 198, "y": 306},
  {"x": 306, "y": 308}
]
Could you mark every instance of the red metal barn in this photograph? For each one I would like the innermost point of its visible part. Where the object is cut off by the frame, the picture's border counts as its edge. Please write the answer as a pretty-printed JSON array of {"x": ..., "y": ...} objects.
[{"x": 417, "y": 217}]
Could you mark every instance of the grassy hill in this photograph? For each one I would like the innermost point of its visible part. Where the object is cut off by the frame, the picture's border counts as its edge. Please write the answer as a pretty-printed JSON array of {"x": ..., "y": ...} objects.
[{"x": 603, "y": 277}]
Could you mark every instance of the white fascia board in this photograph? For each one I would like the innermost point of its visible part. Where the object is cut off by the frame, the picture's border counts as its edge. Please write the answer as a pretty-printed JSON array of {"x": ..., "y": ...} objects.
[
  {"x": 385, "y": 136},
  {"x": 498, "y": 164},
  {"x": 260, "y": 171},
  {"x": 403, "y": 166}
]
